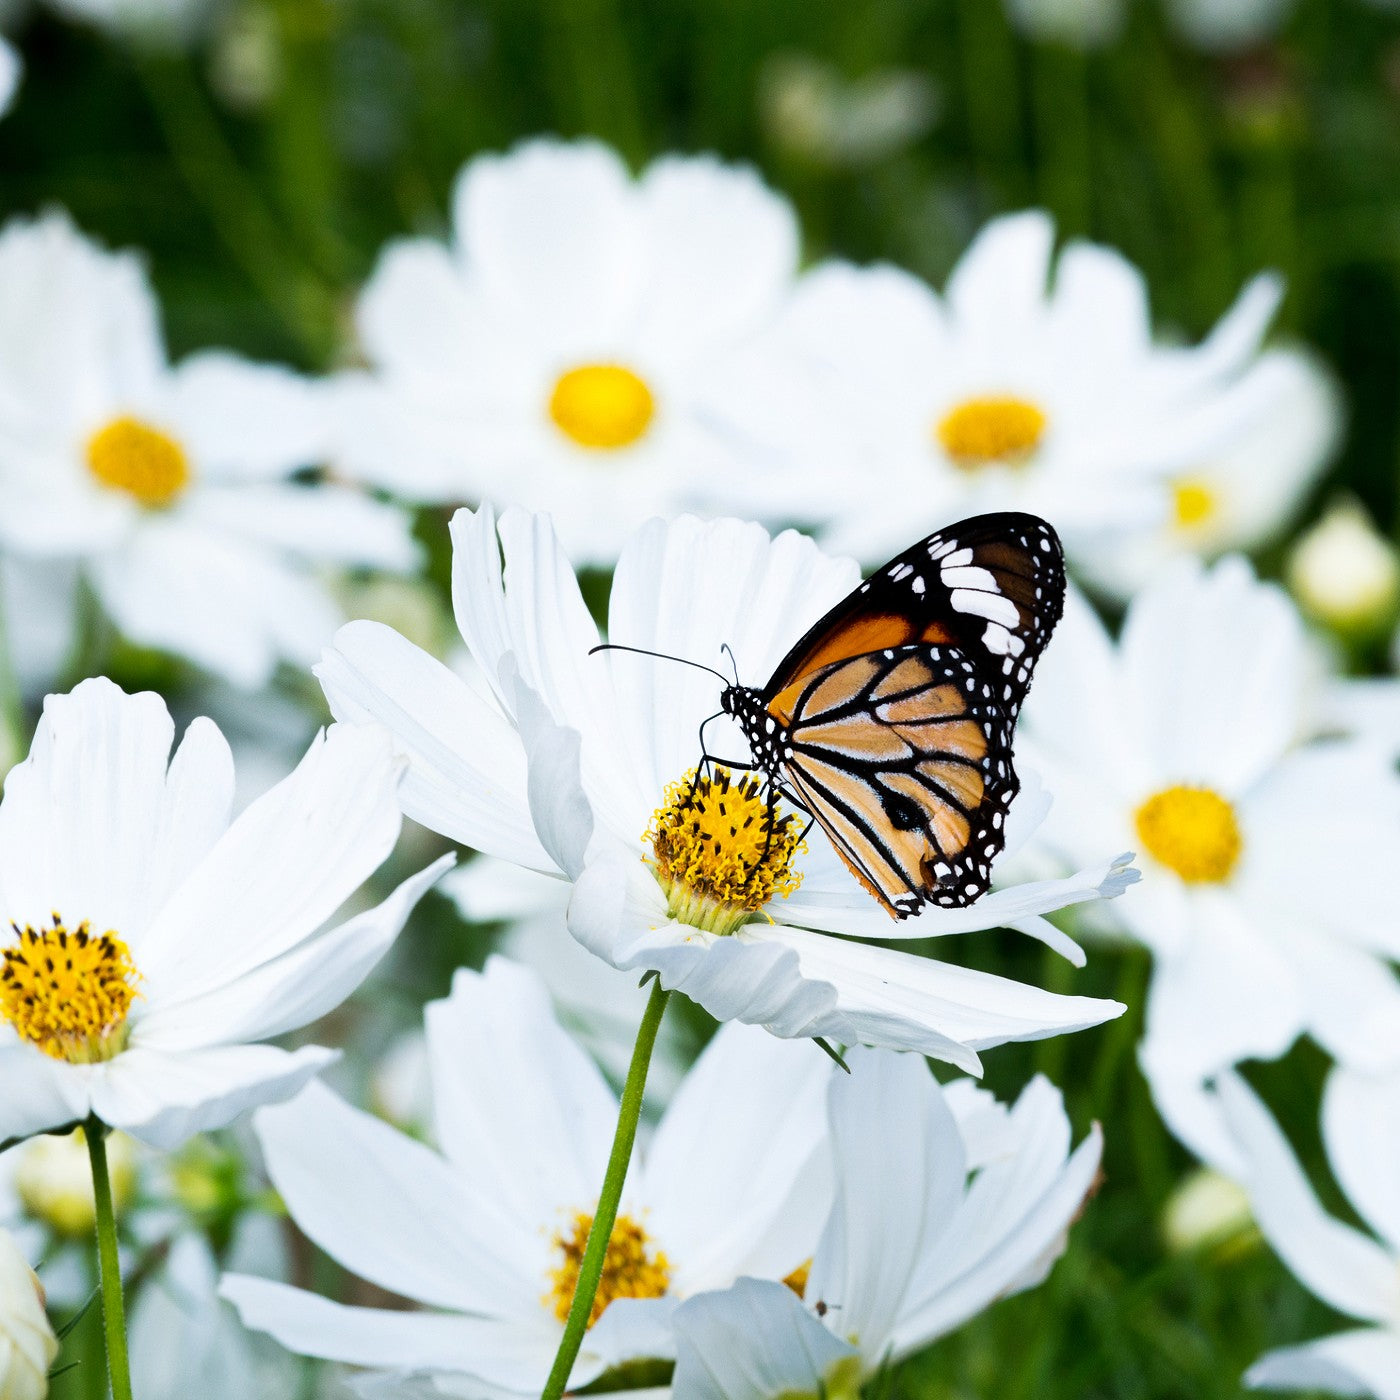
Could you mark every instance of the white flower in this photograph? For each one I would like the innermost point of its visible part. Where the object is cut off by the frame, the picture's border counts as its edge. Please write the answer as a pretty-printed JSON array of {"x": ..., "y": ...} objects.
[
  {"x": 945, "y": 1202},
  {"x": 169, "y": 486},
  {"x": 561, "y": 762},
  {"x": 1267, "y": 896},
  {"x": 1224, "y": 26},
  {"x": 155, "y": 943},
  {"x": 1009, "y": 391},
  {"x": 487, "y": 1233},
  {"x": 1345, "y": 573},
  {"x": 11, "y": 74},
  {"x": 151, "y": 20},
  {"x": 1345, "y": 1267},
  {"x": 27, "y": 1342},
  {"x": 574, "y": 348},
  {"x": 1079, "y": 24}
]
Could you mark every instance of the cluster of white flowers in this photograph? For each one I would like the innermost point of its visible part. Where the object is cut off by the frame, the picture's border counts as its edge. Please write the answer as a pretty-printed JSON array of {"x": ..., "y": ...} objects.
[{"x": 641, "y": 373}]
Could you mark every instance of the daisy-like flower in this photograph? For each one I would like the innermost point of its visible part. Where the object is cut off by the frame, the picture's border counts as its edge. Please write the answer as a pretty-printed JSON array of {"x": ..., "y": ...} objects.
[
  {"x": 1352, "y": 1271},
  {"x": 945, "y": 1202},
  {"x": 1266, "y": 898},
  {"x": 27, "y": 1342},
  {"x": 154, "y": 943},
  {"x": 1010, "y": 391},
  {"x": 574, "y": 347},
  {"x": 488, "y": 1233},
  {"x": 168, "y": 487},
  {"x": 581, "y": 768}
]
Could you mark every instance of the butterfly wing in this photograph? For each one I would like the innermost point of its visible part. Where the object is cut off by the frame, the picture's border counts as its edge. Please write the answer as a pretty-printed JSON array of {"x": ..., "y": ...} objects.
[
  {"x": 993, "y": 586},
  {"x": 904, "y": 757}
]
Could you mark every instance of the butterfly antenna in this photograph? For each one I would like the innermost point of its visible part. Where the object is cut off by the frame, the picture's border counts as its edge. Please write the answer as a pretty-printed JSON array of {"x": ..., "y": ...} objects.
[
  {"x": 729, "y": 652},
  {"x": 660, "y": 655}
]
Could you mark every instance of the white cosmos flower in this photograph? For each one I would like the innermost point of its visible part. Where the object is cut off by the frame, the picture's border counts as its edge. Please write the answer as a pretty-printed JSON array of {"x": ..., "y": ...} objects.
[
  {"x": 1267, "y": 897},
  {"x": 1010, "y": 390},
  {"x": 27, "y": 1342},
  {"x": 482, "y": 1232},
  {"x": 168, "y": 486},
  {"x": 1350, "y": 1270},
  {"x": 945, "y": 1202},
  {"x": 156, "y": 942},
  {"x": 560, "y": 761},
  {"x": 573, "y": 347}
]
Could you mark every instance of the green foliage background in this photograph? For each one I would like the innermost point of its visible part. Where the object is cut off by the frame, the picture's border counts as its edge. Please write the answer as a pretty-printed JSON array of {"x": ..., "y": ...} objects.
[{"x": 263, "y": 169}]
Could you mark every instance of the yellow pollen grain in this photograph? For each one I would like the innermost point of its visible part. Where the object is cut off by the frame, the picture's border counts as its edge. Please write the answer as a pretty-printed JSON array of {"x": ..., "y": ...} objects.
[
  {"x": 1192, "y": 831},
  {"x": 997, "y": 428},
  {"x": 603, "y": 407},
  {"x": 632, "y": 1268},
  {"x": 1193, "y": 502},
  {"x": 720, "y": 851},
  {"x": 129, "y": 455},
  {"x": 67, "y": 992}
]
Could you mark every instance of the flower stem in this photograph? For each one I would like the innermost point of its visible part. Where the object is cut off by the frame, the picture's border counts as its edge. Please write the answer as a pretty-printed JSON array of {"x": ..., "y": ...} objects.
[
  {"x": 113, "y": 1312},
  {"x": 596, "y": 1250}
]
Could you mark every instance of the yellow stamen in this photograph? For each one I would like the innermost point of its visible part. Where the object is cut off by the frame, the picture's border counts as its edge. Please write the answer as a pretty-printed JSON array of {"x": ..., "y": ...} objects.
[
  {"x": 69, "y": 993},
  {"x": 1191, "y": 830},
  {"x": 797, "y": 1279},
  {"x": 602, "y": 406},
  {"x": 1193, "y": 502},
  {"x": 720, "y": 851},
  {"x": 995, "y": 429},
  {"x": 132, "y": 456},
  {"x": 632, "y": 1268}
]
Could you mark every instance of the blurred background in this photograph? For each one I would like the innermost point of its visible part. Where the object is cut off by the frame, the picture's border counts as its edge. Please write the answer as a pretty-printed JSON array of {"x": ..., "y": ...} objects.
[{"x": 260, "y": 152}]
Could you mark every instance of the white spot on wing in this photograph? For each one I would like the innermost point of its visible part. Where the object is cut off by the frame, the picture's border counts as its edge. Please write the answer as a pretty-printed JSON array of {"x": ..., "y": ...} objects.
[{"x": 989, "y": 605}]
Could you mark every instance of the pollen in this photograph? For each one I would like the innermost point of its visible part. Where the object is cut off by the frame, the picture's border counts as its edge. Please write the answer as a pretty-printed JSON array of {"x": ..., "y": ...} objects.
[
  {"x": 632, "y": 1268},
  {"x": 1193, "y": 502},
  {"x": 132, "y": 456},
  {"x": 998, "y": 429},
  {"x": 1192, "y": 831},
  {"x": 721, "y": 850},
  {"x": 603, "y": 407},
  {"x": 67, "y": 992}
]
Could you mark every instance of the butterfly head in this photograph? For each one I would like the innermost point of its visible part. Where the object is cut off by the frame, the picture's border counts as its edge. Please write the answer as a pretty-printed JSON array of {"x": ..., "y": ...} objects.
[{"x": 769, "y": 741}]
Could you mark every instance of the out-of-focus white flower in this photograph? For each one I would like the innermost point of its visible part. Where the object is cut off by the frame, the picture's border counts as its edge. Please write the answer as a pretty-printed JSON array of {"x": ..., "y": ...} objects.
[
  {"x": 813, "y": 112},
  {"x": 27, "y": 1342},
  {"x": 574, "y": 347},
  {"x": 11, "y": 73},
  {"x": 1207, "y": 1208},
  {"x": 168, "y": 486},
  {"x": 1244, "y": 495},
  {"x": 1267, "y": 895},
  {"x": 156, "y": 943},
  {"x": 1221, "y": 26},
  {"x": 945, "y": 1202},
  {"x": 1079, "y": 24},
  {"x": 158, "y": 21},
  {"x": 488, "y": 1235},
  {"x": 53, "y": 1180},
  {"x": 1011, "y": 390},
  {"x": 572, "y": 765},
  {"x": 1354, "y": 1272},
  {"x": 400, "y": 1087},
  {"x": 1345, "y": 573}
]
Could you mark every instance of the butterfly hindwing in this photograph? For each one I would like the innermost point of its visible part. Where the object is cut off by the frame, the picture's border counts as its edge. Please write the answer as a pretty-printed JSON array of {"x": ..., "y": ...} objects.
[
  {"x": 992, "y": 586},
  {"x": 904, "y": 757}
]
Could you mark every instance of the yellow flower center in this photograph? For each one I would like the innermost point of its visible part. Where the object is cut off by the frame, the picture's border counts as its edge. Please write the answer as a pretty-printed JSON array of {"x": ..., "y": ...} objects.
[
  {"x": 1191, "y": 830},
  {"x": 129, "y": 455},
  {"x": 602, "y": 406},
  {"x": 1193, "y": 502},
  {"x": 67, "y": 992},
  {"x": 998, "y": 428},
  {"x": 632, "y": 1268},
  {"x": 720, "y": 851},
  {"x": 53, "y": 1180}
]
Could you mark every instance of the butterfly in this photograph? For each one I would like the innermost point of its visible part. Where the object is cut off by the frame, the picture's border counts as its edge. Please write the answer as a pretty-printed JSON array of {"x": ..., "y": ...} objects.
[{"x": 891, "y": 721}]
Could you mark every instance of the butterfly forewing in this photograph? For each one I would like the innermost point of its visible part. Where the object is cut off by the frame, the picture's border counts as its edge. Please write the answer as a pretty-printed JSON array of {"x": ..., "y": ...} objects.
[{"x": 904, "y": 758}]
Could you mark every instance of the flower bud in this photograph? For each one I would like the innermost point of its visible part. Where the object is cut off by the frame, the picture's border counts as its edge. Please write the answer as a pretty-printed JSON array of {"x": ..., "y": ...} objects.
[
  {"x": 27, "y": 1342},
  {"x": 1345, "y": 574},
  {"x": 1207, "y": 1208},
  {"x": 53, "y": 1180}
]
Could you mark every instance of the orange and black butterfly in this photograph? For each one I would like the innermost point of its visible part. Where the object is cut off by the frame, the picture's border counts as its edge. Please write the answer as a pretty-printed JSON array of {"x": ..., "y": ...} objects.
[{"x": 891, "y": 721}]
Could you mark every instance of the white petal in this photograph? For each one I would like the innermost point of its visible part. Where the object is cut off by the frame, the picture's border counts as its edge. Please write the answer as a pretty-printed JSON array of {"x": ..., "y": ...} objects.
[
  {"x": 754, "y": 1341},
  {"x": 1350, "y": 1363},
  {"x": 37, "y": 1093},
  {"x": 390, "y": 1209},
  {"x": 998, "y": 287},
  {"x": 1339, "y": 1264},
  {"x": 1361, "y": 1126},
  {"x": 166, "y": 1099},
  {"x": 466, "y": 768}
]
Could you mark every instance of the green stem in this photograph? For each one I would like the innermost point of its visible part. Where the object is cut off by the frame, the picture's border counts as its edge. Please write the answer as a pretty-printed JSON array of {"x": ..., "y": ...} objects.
[
  {"x": 596, "y": 1250},
  {"x": 113, "y": 1311}
]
